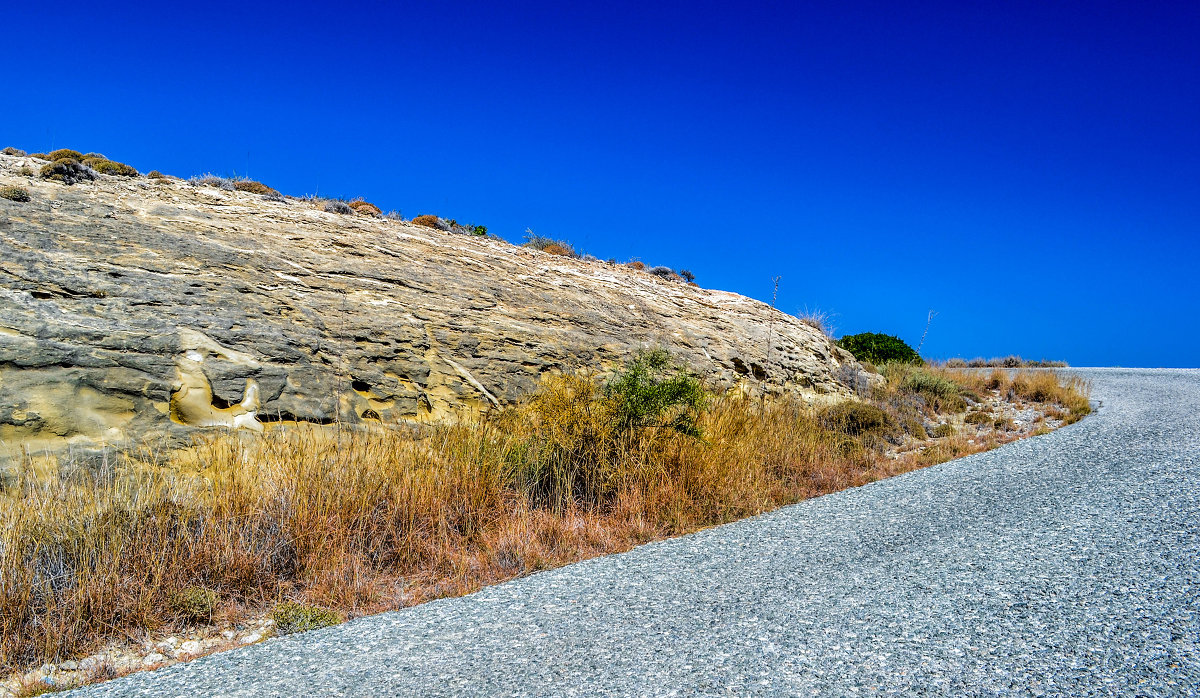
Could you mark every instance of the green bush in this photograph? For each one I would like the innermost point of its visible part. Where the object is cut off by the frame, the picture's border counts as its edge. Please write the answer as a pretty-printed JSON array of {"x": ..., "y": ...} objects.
[
  {"x": 581, "y": 434},
  {"x": 103, "y": 165},
  {"x": 878, "y": 348},
  {"x": 195, "y": 604},
  {"x": 653, "y": 392},
  {"x": 941, "y": 431},
  {"x": 67, "y": 171},
  {"x": 65, "y": 153},
  {"x": 942, "y": 393},
  {"x": 14, "y": 194},
  {"x": 297, "y": 618}
]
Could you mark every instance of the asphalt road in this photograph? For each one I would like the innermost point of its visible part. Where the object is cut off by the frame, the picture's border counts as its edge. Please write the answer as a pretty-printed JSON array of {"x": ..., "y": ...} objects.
[{"x": 1066, "y": 564}]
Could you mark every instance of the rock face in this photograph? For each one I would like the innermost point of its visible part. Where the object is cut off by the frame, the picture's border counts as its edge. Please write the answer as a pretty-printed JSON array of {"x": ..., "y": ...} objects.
[{"x": 136, "y": 306}]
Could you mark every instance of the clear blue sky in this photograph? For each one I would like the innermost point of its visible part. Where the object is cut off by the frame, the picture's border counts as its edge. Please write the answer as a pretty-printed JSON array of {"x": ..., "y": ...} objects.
[{"x": 1031, "y": 171}]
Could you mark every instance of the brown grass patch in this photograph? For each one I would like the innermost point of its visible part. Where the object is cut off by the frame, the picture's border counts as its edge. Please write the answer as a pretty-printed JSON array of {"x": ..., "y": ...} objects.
[{"x": 358, "y": 521}]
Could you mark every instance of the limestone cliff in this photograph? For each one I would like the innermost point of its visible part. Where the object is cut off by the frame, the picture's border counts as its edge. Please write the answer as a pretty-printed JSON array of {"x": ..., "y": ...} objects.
[{"x": 130, "y": 306}]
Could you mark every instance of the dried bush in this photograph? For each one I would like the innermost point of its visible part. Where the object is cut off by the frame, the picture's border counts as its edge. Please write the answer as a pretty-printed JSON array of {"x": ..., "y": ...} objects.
[
  {"x": 635, "y": 264},
  {"x": 365, "y": 207},
  {"x": 430, "y": 221},
  {"x": 687, "y": 276},
  {"x": 249, "y": 185},
  {"x": 340, "y": 207},
  {"x": 13, "y": 151},
  {"x": 665, "y": 273},
  {"x": 212, "y": 180}
]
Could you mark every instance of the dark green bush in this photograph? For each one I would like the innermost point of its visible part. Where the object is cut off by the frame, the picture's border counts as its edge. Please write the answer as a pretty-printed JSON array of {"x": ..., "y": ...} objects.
[
  {"x": 878, "y": 348},
  {"x": 14, "y": 194}
]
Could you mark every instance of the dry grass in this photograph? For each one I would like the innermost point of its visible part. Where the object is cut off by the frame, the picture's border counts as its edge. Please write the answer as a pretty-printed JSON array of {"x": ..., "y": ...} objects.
[
  {"x": 362, "y": 520},
  {"x": 253, "y": 187}
]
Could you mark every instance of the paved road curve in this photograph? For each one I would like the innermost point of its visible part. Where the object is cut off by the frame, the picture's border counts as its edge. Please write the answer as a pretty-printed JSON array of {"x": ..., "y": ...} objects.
[{"x": 1067, "y": 564}]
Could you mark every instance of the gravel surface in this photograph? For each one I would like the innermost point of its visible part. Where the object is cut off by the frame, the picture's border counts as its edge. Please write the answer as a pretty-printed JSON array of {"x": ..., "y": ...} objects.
[{"x": 1066, "y": 564}]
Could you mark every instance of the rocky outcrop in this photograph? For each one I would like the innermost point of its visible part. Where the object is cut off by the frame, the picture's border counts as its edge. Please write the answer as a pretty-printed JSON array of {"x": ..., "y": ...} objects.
[{"x": 132, "y": 306}]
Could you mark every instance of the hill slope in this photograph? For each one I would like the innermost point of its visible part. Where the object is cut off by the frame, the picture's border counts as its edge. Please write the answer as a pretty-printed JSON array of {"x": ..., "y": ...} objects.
[{"x": 132, "y": 305}]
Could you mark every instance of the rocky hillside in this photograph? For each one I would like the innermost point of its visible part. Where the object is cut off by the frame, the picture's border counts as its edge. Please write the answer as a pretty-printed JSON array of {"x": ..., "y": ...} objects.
[{"x": 130, "y": 306}]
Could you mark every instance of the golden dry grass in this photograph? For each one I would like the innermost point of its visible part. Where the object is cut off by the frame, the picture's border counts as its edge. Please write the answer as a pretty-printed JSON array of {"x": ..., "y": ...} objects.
[{"x": 363, "y": 520}]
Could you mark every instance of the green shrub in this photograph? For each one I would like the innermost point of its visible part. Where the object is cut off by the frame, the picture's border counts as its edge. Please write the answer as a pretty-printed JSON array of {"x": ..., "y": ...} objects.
[
  {"x": 67, "y": 171},
  {"x": 103, "y": 165},
  {"x": 14, "y": 194},
  {"x": 478, "y": 230},
  {"x": 942, "y": 393},
  {"x": 65, "y": 153},
  {"x": 297, "y": 618},
  {"x": 979, "y": 417},
  {"x": 195, "y": 604},
  {"x": 580, "y": 435},
  {"x": 653, "y": 392},
  {"x": 878, "y": 348}
]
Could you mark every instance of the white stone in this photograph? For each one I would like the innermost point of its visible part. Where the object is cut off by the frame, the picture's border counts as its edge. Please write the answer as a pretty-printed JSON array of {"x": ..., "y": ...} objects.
[
  {"x": 153, "y": 658},
  {"x": 251, "y": 638},
  {"x": 190, "y": 647}
]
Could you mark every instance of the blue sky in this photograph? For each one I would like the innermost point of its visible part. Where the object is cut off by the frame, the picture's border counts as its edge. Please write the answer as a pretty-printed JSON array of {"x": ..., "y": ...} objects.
[{"x": 1031, "y": 171}]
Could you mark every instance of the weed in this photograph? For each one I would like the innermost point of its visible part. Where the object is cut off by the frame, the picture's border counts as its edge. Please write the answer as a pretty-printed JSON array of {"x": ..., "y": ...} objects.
[
  {"x": 298, "y": 618},
  {"x": 14, "y": 194}
]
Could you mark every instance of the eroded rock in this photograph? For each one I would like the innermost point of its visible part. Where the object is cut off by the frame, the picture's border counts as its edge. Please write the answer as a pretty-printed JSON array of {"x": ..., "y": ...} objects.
[{"x": 130, "y": 307}]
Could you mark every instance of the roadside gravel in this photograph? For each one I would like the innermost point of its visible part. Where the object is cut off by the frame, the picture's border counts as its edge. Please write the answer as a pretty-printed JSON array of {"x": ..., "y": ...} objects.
[{"x": 1065, "y": 564}]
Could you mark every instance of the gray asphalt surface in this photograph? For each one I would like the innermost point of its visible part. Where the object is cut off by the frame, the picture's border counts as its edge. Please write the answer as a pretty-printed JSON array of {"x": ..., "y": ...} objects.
[{"x": 1066, "y": 564}]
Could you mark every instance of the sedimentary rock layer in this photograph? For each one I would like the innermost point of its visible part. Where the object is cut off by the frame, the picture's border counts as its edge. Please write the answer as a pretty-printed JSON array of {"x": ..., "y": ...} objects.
[{"x": 134, "y": 305}]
